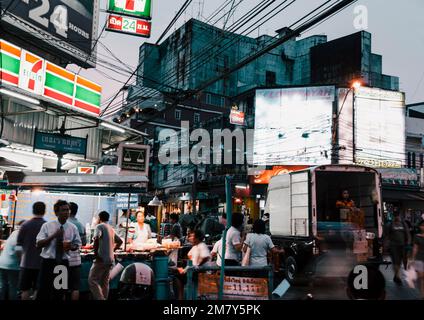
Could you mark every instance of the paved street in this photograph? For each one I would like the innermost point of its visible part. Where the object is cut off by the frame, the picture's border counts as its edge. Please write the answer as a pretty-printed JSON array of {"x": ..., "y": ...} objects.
[{"x": 335, "y": 289}]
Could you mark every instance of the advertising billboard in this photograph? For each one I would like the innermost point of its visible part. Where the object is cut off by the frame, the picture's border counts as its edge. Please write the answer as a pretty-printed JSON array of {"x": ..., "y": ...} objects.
[
  {"x": 379, "y": 128},
  {"x": 293, "y": 126},
  {"x": 63, "y": 27},
  {"x": 264, "y": 176}
]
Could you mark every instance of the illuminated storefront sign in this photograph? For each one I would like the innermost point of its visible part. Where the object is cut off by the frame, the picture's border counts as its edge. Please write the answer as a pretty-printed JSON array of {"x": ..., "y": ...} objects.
[
  {"x": 134, "y": 26},
  {"x": 135, "y": 8},
  {"x": 20, "y": 68}
]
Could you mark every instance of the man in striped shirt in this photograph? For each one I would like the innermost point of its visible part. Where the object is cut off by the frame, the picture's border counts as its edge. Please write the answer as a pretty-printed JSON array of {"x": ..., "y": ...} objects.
[{"x": 106, "y": 241}]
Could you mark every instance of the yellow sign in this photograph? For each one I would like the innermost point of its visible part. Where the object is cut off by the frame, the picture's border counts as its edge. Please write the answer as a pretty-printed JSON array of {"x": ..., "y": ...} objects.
[
  {"x": 379, "y": 163},
  {"x": 234, "y": 287}
]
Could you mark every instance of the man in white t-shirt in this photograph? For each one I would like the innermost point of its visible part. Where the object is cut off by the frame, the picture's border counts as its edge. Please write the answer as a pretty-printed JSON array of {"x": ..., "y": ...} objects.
[
  {"x": 199, "y": 253},
  {"x": 217, "y": 252},
  {"x": 234, "y": 241}
]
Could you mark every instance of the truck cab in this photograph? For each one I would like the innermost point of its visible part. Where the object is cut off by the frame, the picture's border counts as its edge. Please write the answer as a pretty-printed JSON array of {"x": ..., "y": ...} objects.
[{"x": 319, "y": 235}]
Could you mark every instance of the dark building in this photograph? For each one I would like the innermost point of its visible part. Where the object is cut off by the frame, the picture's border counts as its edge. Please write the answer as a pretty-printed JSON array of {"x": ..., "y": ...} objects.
[{"x": 344, "y": 59}]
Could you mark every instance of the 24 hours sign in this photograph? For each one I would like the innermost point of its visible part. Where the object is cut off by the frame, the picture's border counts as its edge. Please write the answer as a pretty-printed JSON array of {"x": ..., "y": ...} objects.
[
  {"x": 121, "y": 24},
  {"x": 70, "y": 20}
]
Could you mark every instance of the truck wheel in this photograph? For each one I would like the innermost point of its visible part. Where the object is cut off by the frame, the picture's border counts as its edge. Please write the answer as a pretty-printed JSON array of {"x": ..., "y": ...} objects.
[{"x": 291, "y": 269}]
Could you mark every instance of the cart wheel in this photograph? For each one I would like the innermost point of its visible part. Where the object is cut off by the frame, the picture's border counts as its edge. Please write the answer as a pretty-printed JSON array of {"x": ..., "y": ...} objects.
[{"x": 291, "y": 269}]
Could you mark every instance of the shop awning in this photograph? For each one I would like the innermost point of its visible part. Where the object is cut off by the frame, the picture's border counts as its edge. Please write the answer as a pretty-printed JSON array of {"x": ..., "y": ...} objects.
[
  {"x": 394, "y": 194},
  {"x": 181, "y": 189},
  {"x": 74, "y": 182},
  {"x": 4, "y": 162}
]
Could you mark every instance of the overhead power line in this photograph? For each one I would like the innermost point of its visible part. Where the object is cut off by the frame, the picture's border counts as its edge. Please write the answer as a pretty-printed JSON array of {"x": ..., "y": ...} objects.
[{"x": 174, "y": 20}]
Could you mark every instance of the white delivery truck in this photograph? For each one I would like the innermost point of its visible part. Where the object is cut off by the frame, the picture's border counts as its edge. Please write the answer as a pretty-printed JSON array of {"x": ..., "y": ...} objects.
[{"x": 306, "y": 221}]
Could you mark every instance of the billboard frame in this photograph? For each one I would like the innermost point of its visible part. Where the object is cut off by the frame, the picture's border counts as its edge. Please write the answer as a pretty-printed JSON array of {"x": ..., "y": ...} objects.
[{"x": 29, "y": 36}]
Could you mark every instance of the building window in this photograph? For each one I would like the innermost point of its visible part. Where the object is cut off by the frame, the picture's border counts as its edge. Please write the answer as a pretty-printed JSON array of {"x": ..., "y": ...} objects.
[
  {"x": 222, "y": 102},
  {"x": 177, "y": 114},
  {"x": 196, "y": 118},
  {"x": 164, "y": 116},
  {"x": 165, "y": 173},
  {"x": 208, "y": 98},
  {"x": 270, "y": 78}
]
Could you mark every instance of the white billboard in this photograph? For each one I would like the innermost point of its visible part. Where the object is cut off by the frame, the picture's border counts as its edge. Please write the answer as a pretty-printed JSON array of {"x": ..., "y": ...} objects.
[
  {"x": 379, "y": 127},
  {"x": 293, "y": 126}
]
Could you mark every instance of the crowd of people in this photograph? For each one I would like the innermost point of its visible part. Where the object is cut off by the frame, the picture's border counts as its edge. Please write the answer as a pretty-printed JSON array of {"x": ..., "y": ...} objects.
[
  {"x": 41, "y": 260},
  {"x": 36, "y": 252},
  {"x": 406, "y": 248}
]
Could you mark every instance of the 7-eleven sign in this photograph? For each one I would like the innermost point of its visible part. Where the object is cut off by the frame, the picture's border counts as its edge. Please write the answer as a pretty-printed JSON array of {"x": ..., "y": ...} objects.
[
  {"x": 31, "y": 75},
  {"x": 86, "y": 170},
  {"x": 139, "y": 8}
]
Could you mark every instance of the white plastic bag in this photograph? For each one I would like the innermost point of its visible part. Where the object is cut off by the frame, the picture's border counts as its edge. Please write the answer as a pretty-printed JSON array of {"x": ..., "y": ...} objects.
[{"x": 410, "y": 276}]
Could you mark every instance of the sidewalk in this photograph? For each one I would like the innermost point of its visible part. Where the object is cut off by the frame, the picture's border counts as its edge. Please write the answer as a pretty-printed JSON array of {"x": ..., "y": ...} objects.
[
  {"x": 334, "y": 288},
  {"x": 396, "y": 292}
]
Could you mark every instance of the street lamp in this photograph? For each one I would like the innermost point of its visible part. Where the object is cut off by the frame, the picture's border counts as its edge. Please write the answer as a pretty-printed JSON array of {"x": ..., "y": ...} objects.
[
  {"x": 155, "y": 202},
  {"x": 355, "y": 84}
]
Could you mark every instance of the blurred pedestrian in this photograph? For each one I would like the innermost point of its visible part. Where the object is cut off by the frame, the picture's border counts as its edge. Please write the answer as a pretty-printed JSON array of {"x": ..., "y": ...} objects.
[
  {"x": 106, "y": 241},
  {"x": 75, "y": 256},
  {"x": 152, "y": 221},
  {"x": 216, "y": 252},
  {"x": 122, "y": 224},
  {"x": 418, "y": 257},
  {"x": 176, "y": 229},
  {"x": 234, "y": 242},
  {"x": 397, "y": 237},
  {"x": 259, "y": 244},
  {"x": 26, "y": 246},
  {"x": 56, "y": 238},
  {"x": 199, "y": 253},
  {"x": 9, "y": 268}
]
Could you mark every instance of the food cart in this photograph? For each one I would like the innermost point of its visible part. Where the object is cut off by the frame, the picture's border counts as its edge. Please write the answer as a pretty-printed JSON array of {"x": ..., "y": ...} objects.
[{"x": 84, "y": 184}]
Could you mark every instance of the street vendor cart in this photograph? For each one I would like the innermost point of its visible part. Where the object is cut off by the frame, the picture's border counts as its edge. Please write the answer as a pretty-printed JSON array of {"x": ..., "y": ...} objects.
[{"x": 63, "y": 185}]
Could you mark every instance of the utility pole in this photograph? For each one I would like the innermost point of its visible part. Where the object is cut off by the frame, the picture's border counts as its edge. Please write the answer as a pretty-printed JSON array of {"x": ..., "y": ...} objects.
[
  {"x": 62, "y": 131},
  {"x": 194, "y": 190}
]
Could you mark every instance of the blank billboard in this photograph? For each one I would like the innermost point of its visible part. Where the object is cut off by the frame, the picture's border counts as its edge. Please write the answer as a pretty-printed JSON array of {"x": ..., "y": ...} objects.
[
  {"x": 293, "y": 126},
  {"x": 379, "y": 127}
]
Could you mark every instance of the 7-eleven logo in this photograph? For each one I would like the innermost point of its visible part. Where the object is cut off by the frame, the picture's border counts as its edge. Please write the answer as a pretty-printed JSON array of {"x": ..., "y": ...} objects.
[
  {"x": 31, "y": 76},
  {"x": 131, "y": 5},
  {"x": 86, "y": 170}
]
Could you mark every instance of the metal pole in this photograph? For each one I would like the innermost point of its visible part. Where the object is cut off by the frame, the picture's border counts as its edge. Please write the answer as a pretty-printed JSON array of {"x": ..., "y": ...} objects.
[
  {"x": 14, "y": 211},
  {"x": 194, "y": 191},
  {"x": 228, "y": 210},
  {"x": 354, "y": 128},
  {"x": 189, "y": 288},
  {"x": 126, "y": 226},
  {"x": 59, "y": 162}
]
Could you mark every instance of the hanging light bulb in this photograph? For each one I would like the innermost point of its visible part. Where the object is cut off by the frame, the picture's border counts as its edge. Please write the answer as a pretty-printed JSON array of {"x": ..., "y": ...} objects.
[{"x": 155, "y": 202}]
